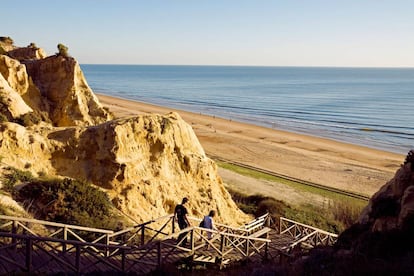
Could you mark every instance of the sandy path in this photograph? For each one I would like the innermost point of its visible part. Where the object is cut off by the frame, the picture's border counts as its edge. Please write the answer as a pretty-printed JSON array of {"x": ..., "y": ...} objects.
[{"x": 327, "y": 162}]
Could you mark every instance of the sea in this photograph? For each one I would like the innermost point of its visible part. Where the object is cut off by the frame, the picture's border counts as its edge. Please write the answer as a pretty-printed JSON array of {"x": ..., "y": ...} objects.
[{"x": 372, "y": 107}]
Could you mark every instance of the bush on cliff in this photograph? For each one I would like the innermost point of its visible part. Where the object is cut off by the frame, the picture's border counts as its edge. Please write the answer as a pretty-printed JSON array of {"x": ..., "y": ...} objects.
[
  {"x": 63, "y": 50},
  {"x": 68, "y": 201},
  {"x": 33, "y": 118}
]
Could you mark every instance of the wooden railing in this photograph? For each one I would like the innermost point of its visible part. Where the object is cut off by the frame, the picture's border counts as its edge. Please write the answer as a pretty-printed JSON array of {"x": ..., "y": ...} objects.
[
  {"x": 46, "y": 255},
  {"x": 148, "y": 245},
  {"x": 140, "y": 248},
  {"x": 304, "y": 235},
  {"x": 41, "y": 228}
]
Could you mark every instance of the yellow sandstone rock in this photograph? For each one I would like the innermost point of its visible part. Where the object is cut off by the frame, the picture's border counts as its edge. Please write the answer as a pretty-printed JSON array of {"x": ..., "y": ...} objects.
[{"x": 146, "y": 164}]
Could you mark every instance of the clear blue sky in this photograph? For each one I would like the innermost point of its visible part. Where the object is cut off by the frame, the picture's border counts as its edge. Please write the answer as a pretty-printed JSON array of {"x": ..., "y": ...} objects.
[{"x": 378, "y": 33}]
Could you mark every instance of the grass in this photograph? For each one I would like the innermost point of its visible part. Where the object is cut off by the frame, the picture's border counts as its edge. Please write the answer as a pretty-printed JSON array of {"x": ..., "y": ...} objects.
[
  {"x": 296, "y": 185},
  {"x": 336, "y": 216}
]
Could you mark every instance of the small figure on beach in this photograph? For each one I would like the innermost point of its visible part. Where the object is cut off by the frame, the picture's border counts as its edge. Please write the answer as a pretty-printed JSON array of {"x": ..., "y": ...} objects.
[
  {"x": 180, "y": 214},
  {"x": 208, "y": 223}
]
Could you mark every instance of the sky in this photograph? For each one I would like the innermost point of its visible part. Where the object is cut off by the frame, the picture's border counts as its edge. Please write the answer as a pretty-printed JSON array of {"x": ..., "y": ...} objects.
[{"x": 340, "y": 33}]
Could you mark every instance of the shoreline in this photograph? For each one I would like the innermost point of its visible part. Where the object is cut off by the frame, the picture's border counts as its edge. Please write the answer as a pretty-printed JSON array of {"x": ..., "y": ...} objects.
[{"x": 324, "y": 161}]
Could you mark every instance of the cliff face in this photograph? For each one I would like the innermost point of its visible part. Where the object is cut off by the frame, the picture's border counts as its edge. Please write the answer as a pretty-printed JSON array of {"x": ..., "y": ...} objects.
[
  {"x": 381, "y": 242},
  {"x": 392, "y": 207},
  {"x": 62, "y": 84},
  {"x": 54, "y": 87},
  {"x": 19, "y": 94},
  {"x": 27, "y": 53},
  {"x": 146, "y": 164}
]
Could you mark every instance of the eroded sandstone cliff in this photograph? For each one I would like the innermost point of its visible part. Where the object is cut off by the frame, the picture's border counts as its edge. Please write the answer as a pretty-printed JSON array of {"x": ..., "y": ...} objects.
[
  {"x": 146, "y": 164},
  {"x": 381, "y": 242}
]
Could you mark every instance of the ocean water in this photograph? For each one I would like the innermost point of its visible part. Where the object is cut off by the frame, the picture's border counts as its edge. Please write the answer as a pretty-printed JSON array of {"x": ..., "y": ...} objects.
[{"x": 373, "y": 107}]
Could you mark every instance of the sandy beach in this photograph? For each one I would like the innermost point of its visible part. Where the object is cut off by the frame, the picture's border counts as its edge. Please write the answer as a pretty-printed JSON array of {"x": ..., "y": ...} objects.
[{"x": 345, "y": 166}]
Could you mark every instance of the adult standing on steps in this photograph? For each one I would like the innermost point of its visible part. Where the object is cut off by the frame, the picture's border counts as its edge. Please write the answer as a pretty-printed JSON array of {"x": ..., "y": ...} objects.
[{"x": 180, "y": 214}]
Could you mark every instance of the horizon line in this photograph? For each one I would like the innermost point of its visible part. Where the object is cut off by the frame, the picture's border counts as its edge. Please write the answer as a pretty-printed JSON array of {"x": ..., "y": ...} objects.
[{"x": 269, "y": 66}]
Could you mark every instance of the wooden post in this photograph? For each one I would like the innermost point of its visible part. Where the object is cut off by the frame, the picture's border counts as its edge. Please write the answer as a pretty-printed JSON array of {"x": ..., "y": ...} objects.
[
  {"x": 192, "y": 239},
  {"x": 107, "y": 247},
  {"x": 65, "y": 237},
  {"x": 159, "y": 259},
  {"x": 222, "y": 243},
  {"x": 123, "y": 261},
  {"x": 142, "y": 235},
  {"x": 29, "y": 254},
  {"x": 280, "y": 225},
  {"x": 77, "y": 260},
  {"x": 14, "y": 232}
]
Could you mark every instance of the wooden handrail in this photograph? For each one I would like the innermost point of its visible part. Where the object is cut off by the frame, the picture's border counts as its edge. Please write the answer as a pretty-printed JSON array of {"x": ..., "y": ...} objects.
[
  {"x": 306, "y": 232},
  {"x": 307, "y": 226},
  {"x": 56, "y": 224}
]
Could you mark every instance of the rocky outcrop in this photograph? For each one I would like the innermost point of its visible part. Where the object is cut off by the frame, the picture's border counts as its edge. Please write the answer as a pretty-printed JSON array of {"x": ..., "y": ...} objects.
[
  {"x": 6, "y": 44},
  {"x": 145, "y": 164},
  {"x": 27, "y": 53},
  {"x": 381, "y": 242},
  {"x": 392, "y": 207},
  {"x": 54, "y": 87},
  {"x": 12, "y": 106},
  {"x": 17, "y": 83},
  {"x": 63, "y": 85}
]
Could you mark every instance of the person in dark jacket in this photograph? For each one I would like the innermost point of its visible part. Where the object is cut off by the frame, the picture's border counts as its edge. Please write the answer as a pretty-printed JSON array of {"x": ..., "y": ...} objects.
[{"x": 180, "y": 214}]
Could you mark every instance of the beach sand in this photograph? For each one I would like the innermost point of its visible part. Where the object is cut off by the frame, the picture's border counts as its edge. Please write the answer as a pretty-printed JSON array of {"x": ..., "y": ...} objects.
[{"x": 345, "y": 166}]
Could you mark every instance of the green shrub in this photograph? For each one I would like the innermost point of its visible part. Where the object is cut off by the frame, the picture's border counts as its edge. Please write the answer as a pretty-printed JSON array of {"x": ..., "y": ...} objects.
[
  {"x": 68, "y": 201},
  {"x": 29, "y": 119},
  {"x": 347, "y": 213},
  {"x": 335, "y": 218},
  {"x": 32, "y": 45},
  {"x": 276, "y": 208},
  {"x": 316, "y": 217},
  {"x": 63, "y": 50},
  {"x": 15, "y": 176}
]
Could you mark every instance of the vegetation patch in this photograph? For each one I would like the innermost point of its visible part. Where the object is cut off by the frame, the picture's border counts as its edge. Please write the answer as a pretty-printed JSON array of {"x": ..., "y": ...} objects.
[
  {"x": 13, "y": 176},
  {"x": 67, "y": 201},
  {"x": 334, "y": 220},
  {"x": 63, "y": 50},
  {"x": 335, "y": 216},
  {"x": 32, "y": 118}
]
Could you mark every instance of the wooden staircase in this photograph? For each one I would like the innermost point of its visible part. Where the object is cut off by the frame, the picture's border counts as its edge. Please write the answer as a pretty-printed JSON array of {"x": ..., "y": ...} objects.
[{"x": 35, "y": 246}]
